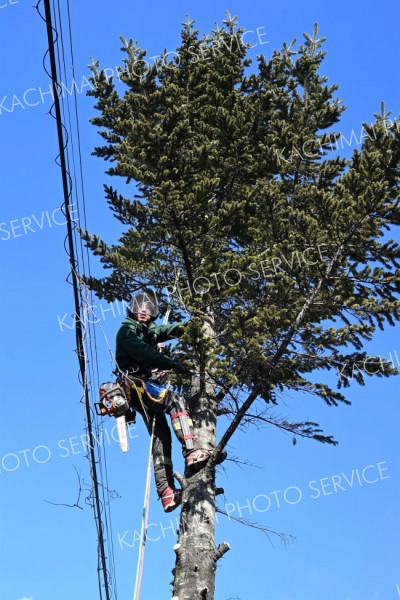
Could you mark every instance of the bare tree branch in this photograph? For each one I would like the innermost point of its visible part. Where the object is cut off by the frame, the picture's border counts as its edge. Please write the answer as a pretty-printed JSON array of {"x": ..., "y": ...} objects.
[
  {"x": 284, "y": 537},
  {"x": 305, "y": 429},
  {"x": 244, "y": 462}
]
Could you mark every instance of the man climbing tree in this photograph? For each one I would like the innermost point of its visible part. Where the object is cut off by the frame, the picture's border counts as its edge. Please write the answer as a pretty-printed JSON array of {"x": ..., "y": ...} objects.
[
  {"x": 286, "y": 263},
  {"x": 139, "y": 361}
]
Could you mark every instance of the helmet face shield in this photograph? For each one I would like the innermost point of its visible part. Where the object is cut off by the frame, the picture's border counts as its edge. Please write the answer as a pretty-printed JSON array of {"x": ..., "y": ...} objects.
[{"x": 144, "y": 303}]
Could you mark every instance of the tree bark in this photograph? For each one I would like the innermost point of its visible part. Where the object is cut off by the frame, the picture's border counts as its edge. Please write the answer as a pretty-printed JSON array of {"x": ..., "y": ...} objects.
[{"x": 196, "y": 555}]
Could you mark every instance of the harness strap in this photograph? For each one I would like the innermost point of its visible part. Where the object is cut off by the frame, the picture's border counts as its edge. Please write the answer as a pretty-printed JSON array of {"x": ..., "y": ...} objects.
[
  {"x": 179, "y": 414},
  {"x": 130, "y": 382}
]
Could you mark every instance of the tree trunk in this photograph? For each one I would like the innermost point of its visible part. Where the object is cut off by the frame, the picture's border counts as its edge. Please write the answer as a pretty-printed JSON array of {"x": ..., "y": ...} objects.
[
  {"x": 195, "y": 563},
  {"x": 196, "y": 555}
]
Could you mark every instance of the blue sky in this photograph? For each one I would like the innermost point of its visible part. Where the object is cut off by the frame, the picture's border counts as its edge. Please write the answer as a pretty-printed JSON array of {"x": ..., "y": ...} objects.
[{"x": 341, "y": 504}]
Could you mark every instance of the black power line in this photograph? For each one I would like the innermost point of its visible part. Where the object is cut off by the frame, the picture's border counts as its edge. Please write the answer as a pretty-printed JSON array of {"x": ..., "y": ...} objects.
[{"x": 80, "y": 346}]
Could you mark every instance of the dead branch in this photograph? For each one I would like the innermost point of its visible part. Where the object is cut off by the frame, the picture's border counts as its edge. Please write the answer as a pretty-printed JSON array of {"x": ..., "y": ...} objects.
[
  {"x": 305, "y": 429},
  {"x": 284, "y": 537},
  {"x": 179, "y": 478},
  {"x": 244, "y": 462},
  {"x": 220, "y": 550}
]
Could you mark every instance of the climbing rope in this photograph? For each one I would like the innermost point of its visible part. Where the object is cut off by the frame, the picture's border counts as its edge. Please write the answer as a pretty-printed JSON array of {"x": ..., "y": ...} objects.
[{"x": 145, "y": 518}]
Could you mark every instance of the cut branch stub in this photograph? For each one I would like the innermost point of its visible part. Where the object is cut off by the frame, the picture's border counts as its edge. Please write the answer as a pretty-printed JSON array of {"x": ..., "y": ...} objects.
[
  {"x": 220, "y": 550},
  {"x": 179, "y": 478}
]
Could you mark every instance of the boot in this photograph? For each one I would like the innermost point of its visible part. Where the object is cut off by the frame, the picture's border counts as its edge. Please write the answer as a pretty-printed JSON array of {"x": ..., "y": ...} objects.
[
  {"x": 198, "y": 458},
  {"x": 171, "y": 499}
]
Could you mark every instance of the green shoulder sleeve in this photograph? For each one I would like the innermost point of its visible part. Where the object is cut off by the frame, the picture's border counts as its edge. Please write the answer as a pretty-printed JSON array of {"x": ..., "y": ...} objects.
[{"x": 168, "y": 332}]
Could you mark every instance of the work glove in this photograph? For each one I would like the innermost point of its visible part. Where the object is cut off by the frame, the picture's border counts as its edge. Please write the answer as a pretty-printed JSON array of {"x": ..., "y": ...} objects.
[{"x": 180, "y": 368}]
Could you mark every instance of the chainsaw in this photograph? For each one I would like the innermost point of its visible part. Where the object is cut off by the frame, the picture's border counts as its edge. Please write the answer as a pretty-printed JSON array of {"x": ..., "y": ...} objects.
[{"x": 114, "y": 403}]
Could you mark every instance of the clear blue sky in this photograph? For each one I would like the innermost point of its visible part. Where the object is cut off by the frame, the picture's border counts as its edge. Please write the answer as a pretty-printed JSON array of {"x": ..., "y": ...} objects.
[{"x": 340, "y": 503}]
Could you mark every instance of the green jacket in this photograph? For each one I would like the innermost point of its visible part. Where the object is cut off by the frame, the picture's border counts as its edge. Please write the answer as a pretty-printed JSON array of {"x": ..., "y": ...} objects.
[{"x": 136, "y": 344}]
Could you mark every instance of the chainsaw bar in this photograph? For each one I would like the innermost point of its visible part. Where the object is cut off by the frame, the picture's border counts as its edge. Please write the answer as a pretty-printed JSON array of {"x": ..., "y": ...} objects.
[{"x": 122, "y": 429}]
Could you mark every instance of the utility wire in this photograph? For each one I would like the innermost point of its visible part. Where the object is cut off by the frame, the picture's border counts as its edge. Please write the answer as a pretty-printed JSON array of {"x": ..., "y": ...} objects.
[
  {"x": 80, "y": 343},
  {"x": 86, "y": 298}
]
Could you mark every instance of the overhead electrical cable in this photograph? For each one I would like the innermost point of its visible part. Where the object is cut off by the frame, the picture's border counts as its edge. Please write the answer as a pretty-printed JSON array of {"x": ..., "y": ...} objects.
[
  {"x": 87, "y": 300},
  {"x": 83, "y": 332}
]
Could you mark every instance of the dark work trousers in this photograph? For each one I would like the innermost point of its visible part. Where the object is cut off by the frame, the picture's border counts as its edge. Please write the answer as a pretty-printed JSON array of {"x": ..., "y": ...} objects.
[{"x": 172, "y": 404}]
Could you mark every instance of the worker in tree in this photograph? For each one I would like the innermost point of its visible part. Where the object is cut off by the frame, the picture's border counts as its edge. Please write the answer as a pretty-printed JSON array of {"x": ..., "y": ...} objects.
[{"x": 137, "y": 356}]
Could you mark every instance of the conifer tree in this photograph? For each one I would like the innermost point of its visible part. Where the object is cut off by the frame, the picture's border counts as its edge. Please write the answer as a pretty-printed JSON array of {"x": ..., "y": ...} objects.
[{"x": 279, "y": 246}]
